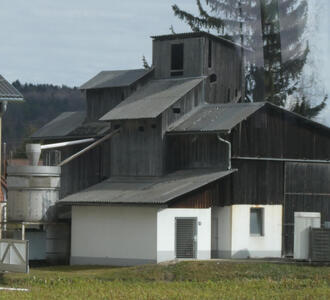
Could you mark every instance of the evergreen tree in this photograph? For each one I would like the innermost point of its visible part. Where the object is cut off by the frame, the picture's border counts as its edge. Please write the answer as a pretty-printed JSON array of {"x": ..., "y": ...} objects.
[{"x": 274, "y": 30}]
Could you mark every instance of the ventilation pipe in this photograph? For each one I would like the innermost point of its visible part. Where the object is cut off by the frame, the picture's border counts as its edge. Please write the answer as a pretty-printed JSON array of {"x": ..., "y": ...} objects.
[
  {"x": 229, "y": 149},
  {"x": 33, "y": 151}
]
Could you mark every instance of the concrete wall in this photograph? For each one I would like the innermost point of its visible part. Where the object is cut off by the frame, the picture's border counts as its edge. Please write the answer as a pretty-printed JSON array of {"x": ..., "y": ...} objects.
[
  {"x": 246, "y": 245},
  {"x": 166, "y": 232},
  {"x": 234, "y": 238},
  {"x": 116, "y": 235},
  {"x": 221, "y": 232}
]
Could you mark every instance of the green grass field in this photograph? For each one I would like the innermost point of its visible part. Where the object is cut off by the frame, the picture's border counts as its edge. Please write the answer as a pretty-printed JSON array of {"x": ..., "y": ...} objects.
[{"x": 185, "y": 280}]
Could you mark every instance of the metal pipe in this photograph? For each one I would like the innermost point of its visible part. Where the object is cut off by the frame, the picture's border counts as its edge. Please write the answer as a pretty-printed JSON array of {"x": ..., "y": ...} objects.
[
  {"x": 88, "y": 147},
  {"x": 229, "y": 149},
  {"x": 282, "y": 159},
  {"x": 68, "y": 143}
]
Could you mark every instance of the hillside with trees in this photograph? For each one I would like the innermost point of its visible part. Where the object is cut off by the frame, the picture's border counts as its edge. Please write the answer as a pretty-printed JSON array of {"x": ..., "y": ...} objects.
[{"x": 43, "y": 102}]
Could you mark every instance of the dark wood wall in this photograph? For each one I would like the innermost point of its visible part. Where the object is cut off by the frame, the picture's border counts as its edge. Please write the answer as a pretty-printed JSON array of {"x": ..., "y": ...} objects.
[
  {"x": 88, "y": 169},
  {"x": 100, "y": 101},
  {"x": 307, "y": 189},
  {"x": 228, "y": 83},
  {"x": 195, "y": 151},
  {"x": 186, "y": 104},
  {"x": 270, "y": 132},
  {"x": 192, "y": 53},
  {"x": 138, "y": 149},
  {"x": 227, "y": 87}
]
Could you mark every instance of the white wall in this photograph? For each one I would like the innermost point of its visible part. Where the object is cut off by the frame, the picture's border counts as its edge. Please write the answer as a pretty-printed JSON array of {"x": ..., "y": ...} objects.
[
  {"x": 244, "y": 245},
  {"x": 113, "y": 235},
  {"x": 166, "y": 232},
  {"x": 221, "y": 225}
]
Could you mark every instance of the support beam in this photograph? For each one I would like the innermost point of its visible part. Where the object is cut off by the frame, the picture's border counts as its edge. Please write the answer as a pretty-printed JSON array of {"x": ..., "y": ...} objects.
[{"x": 101, "y": 140}]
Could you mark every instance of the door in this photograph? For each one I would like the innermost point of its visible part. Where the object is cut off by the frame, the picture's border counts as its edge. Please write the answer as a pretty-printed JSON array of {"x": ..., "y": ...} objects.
[{"x": 186, "y": 237}]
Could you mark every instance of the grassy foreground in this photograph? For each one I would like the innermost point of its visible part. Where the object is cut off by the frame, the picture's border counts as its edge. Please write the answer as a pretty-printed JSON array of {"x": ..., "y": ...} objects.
[{"x": 185, "y": 280}]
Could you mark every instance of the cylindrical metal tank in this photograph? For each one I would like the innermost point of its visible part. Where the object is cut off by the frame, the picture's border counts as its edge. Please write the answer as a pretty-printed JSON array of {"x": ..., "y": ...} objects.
[
  {"x": 32, "y": 193},
  {"x": 58, "y": 243}
]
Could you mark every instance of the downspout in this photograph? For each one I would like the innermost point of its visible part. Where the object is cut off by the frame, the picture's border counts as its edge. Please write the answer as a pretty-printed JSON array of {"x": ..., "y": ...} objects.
[{"x": 229, "y": 149}]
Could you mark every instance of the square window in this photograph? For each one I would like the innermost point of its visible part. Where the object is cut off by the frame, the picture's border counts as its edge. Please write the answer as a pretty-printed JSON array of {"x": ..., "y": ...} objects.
[{"x": 256, "y": 221}]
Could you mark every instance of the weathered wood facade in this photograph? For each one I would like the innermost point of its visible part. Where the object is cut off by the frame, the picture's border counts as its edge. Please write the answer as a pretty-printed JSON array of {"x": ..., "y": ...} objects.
[{"x": 280, "y": 158}]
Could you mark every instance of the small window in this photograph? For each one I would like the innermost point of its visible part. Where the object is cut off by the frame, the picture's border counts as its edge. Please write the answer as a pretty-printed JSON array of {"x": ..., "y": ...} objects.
[
  {"x": 176, "y": 110},
  {"x": 256, "y": 221},
  {"x": 117, "y": 126},
  {"x": 213, "y": 78},
  {"x": 141, "y": 128},
  {"x": 176, "y": 59},
  {"x": 228, "y": 95},
  {"x": 210, "y": 54},
  {"x": 153, "y": 126}
]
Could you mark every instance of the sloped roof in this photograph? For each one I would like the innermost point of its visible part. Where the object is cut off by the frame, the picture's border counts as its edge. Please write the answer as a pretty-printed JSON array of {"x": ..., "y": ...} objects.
[
  {"x": 152, "y": 99},
  {"x": 146, "y": 190},
  {"x": 120, "y": 78},
  {"x": 8, "y": 92},
  {"x": 70, "y": 124},
  {"x": 215, "y": 117}
]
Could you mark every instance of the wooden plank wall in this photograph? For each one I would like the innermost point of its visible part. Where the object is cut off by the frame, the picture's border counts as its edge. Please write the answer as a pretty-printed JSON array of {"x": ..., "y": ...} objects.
[
  {"x": 192, "y": 63},
  {"x": 100, "y": 101},
  {"x": 226, "y": 65},
  {"x": 218, "y": 193},
  {"x": 90, "y": 168},
  {"x": 135, "y": 152},
  {"x": 258, "y": 182},
  {"x": 195, "y": 151},
  {"x": 307, "y": 189},
  {"x": 272, "y": 133},
  {"x": 186, "y": 104}
]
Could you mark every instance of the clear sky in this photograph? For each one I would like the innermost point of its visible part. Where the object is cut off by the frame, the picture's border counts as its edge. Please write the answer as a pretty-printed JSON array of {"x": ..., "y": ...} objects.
[{"x": 69, "y": 41}]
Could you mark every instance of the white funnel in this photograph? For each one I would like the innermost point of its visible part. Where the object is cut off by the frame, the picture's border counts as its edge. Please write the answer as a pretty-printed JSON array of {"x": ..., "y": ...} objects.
[{"x": 33, "y": 152}]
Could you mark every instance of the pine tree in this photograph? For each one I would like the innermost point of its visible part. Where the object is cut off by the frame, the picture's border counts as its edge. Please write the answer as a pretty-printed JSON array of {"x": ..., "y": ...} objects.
[{"x": 274, "y": 30}]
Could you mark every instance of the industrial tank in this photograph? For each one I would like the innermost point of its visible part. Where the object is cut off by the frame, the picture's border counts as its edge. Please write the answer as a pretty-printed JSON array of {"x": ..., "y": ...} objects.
[{"x": 32, "y": 193}]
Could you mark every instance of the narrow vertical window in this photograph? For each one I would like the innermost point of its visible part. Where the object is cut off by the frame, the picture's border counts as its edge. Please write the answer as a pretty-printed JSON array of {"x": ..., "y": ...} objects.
[
  {"x": 210, "y": 54},
  {"x": 256, "y": 221},
  {"x": 228, "y": 95},
  {"x": 176, "y": 59}
]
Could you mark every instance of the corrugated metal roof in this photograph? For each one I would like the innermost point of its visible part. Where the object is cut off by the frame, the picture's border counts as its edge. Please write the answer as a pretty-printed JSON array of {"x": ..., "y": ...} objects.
[
  {"x": 70, "y": 125},
  {"x": 146, "y": 191},
  {"x": 152, "y": 99},
  {"x": 120, "y": 78},
  {"x": 8, "y": 92},
  {"x": 62, "y": 125},
  {"x": 215, "y": 117}
]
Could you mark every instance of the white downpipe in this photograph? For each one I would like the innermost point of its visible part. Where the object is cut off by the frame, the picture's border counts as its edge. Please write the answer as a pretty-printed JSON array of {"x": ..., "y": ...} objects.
[
  {"x": 64, "y": 144},
  {"x": 229, "y": 150}
]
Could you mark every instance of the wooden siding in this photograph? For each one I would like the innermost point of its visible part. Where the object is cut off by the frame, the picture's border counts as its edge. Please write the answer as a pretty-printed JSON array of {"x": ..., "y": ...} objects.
[
  {"x": 100, "y": 101},
  {"x": 273, "y": 133},
  {"x": 195, "y": 151},
  {"x": 192, "y": 55},
  {"x": 214, "y": 194},
  {"x": 186, "y": 104},
  {"x": 258, "y": 182},
  {"x": 307, "y": 189},
  {"x": 135, "y": 152},
  {"x": 88, "y": 169},
  {"x": 229, "y": 75},
  {"x": 196, "y": 51}
]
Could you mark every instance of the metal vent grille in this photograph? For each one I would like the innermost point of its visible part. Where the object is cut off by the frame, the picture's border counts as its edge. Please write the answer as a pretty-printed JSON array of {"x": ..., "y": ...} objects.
[
  {"x": 186, "y": 237},
  {"x": 320, "y": 244}
]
